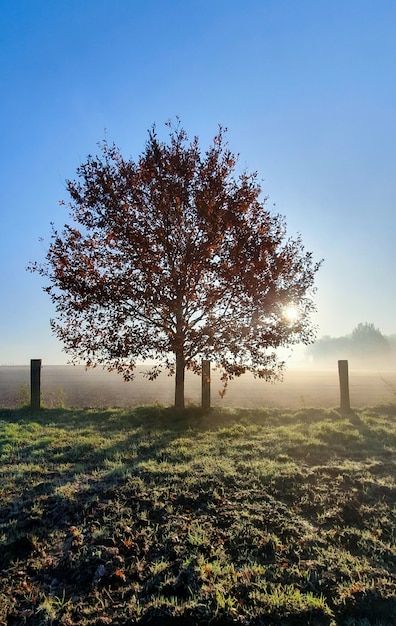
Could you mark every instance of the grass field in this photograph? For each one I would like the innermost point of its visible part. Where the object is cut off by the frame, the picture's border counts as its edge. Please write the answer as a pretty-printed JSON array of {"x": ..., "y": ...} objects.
[{"x": 262, "y": 517}]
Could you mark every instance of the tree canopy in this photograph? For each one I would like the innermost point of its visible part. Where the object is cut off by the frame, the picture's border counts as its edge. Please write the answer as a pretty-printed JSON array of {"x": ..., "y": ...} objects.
[{"x": 173, "y": 258}]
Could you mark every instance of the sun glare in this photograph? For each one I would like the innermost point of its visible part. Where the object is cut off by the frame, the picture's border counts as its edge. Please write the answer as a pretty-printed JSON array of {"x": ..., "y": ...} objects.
[{"x": 291, "y": 313}]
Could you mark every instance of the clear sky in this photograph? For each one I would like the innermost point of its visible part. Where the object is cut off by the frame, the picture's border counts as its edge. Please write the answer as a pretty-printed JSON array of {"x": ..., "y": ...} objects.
[{"x": 306, "y": 88}]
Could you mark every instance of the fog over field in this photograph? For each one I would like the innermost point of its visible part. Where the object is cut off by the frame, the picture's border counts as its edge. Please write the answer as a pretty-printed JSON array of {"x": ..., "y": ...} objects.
[{"x": 301, "y": 387}]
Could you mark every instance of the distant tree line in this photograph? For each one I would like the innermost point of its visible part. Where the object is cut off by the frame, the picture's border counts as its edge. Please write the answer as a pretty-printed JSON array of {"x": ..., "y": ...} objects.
[{"x": 365, "y": 345}]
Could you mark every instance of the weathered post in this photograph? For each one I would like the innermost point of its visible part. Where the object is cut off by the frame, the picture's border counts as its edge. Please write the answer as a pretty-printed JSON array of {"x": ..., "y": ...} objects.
[
  {"x": 35, "y": 380},
  {"x": 345, "y": 405},
  {"x": 205, "y": 403}
]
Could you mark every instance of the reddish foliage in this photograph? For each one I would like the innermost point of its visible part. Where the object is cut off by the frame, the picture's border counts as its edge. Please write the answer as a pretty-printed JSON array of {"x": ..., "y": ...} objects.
[{"x": 176, "y": 258}]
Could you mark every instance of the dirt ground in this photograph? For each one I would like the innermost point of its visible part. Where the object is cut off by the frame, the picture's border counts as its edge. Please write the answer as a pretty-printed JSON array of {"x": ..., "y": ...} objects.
[{"x": 74, "y": 387}]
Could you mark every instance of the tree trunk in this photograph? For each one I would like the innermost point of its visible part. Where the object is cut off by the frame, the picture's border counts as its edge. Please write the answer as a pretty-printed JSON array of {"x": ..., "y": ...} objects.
[{"x": 179, "y": 382}]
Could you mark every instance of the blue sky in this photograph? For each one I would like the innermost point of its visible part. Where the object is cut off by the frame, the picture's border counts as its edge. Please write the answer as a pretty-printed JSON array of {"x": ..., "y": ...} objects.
[{"x": 306, "y": 88}]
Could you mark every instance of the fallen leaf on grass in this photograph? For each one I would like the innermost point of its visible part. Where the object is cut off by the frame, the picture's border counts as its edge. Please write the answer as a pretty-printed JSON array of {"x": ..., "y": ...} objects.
[{"x": 120, "y": 574}]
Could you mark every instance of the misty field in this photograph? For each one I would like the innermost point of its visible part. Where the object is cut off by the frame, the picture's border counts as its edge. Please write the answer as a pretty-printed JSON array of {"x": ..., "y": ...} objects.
[
  {"x": 239, "y": 516},
  {"x": 74, "y": 387}
]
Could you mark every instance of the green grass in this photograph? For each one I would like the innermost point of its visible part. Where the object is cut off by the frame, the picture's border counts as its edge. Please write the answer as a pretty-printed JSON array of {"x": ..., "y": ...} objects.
[{"x": 238, "y": 516}]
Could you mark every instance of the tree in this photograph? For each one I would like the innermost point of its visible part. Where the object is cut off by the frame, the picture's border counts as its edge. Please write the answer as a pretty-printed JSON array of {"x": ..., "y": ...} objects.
[
  {"x": 369, "y": 344},
  {"x": 329, "y": 349},
  {"x": 366, "y": 345},
  {"x": 175, "y": 258}
]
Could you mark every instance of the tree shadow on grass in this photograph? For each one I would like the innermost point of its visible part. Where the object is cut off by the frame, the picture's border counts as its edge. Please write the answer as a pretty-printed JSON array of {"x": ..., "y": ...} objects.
[
  {"x": 380, "y": 442},
  {"x": 82, "y": 517},
  {"x": 45, "y": 469}
]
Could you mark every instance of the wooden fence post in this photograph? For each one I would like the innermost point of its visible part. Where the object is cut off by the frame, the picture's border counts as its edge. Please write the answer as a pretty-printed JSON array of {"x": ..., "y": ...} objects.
[
  {"x": 35, "y": 380},
  {"x": 205, "y": 402},
  {"x": 345, "y": 405}
]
